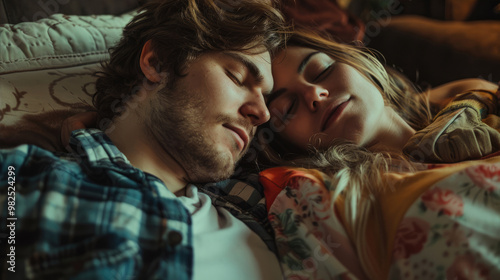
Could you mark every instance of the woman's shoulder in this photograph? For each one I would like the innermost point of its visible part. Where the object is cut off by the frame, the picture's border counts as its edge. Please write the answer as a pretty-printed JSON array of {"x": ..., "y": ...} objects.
[{"x": 441, "y": 95}]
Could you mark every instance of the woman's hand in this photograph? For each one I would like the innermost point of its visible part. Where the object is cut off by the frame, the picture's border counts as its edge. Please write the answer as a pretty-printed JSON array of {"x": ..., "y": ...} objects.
[
  {"x": 78, "y": 121},
  {"x": 454, "y": 136},
  {"x": 458, "y": 132}
]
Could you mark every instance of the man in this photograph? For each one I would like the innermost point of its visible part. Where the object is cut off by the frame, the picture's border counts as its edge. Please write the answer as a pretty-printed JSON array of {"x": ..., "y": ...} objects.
[{"x": 178, "y": 104}]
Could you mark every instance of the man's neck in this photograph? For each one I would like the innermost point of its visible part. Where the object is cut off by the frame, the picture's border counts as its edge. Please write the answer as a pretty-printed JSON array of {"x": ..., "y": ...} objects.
[{"x": 144, "y": 153}]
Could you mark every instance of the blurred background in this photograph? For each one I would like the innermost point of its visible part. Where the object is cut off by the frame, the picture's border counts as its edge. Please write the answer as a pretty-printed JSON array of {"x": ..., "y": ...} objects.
[{"x": 430, "y": 41}]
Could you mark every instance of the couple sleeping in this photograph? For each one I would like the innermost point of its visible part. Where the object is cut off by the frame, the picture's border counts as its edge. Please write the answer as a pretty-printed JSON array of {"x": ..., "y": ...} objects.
[{"x": 366, "y": 177}]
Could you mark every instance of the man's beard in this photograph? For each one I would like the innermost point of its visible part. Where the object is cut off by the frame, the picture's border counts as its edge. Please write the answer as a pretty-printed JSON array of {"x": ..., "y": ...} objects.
[{"x": 177, "y": 123}]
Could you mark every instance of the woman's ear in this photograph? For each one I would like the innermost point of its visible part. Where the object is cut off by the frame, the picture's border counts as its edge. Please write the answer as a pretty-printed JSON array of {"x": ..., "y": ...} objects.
[{"x": 149, "y": 63}]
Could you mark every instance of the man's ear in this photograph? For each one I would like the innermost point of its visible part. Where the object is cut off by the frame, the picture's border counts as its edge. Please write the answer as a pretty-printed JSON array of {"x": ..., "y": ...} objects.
[{"x": 148, "y": 63}]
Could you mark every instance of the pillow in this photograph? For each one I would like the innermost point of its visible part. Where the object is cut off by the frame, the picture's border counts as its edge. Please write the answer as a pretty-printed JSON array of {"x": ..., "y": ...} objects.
[
  {"x": 46, "y": 73},
  {"x": 58, "y": 41}
]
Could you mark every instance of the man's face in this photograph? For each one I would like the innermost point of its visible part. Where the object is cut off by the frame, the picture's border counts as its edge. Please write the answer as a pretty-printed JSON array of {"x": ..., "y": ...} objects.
[{"x": 208, "y": 119}]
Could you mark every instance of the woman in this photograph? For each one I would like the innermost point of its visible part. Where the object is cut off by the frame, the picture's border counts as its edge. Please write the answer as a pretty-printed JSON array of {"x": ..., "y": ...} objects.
[
  {"x": 325, "y": 91},
  {"x": 359, "y": 129}
]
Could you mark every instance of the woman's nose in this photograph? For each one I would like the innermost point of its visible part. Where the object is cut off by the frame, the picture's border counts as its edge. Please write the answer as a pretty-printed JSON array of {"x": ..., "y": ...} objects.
[{"x": 314, "y": 94}]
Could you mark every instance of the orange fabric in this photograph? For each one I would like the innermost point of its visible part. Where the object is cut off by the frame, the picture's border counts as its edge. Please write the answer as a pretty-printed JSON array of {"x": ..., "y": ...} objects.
[{"x": 274, "y": 180}]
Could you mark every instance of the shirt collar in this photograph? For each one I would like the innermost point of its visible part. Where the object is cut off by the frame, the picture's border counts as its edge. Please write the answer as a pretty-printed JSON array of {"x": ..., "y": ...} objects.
[{"x": 94, "y": 146}]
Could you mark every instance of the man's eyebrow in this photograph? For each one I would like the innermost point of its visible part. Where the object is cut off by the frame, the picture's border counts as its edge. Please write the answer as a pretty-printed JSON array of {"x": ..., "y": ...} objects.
[
  {"x": 252, "y": 68},
  {"x": 300, "y": 69},
  {"x": 304, "y": 62}
]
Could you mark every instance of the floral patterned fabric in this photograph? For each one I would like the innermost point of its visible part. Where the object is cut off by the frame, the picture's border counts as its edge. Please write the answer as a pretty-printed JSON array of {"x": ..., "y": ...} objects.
[
  {"x": 451, "y": 231},
  {"x": 311, "y": 241}
]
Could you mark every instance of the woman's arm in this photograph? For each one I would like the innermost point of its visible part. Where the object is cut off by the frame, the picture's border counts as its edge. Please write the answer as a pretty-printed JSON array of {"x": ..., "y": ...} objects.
[{"x": 440, "y": 96}]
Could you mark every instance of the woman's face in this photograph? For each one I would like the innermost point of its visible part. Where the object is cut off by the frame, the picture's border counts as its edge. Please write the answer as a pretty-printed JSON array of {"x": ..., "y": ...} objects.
[{"x": 314, "y": 95}]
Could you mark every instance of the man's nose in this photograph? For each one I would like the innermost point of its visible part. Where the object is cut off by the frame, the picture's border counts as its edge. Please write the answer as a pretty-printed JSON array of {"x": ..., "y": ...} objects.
[{"x": 256, "y": 110}]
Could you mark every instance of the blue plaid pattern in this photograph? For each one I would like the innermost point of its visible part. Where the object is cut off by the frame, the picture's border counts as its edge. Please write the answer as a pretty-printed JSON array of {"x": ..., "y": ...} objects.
[{"x": 91, "y": 215}]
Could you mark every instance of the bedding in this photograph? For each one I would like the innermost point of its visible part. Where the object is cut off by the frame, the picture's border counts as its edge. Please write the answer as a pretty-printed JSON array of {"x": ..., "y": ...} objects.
[
  {"x": 46, "y": 72},
  {"x": 441, "y": 222}
]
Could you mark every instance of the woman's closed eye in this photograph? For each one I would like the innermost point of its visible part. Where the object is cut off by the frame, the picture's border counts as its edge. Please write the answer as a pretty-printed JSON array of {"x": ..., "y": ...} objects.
[{"x": 324, "y": 73}]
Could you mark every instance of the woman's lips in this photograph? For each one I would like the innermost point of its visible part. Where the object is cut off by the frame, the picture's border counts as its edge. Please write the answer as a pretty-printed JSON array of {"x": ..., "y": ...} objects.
[{"x": 333, "y": 113}]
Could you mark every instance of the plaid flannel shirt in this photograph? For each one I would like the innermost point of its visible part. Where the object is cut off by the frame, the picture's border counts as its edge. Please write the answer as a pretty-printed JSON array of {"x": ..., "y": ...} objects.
[{"x": 91, "y": 215}]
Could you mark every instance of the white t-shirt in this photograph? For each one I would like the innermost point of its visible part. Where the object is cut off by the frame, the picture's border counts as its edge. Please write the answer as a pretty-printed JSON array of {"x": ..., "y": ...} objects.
[{"x": 224, "y": 247}]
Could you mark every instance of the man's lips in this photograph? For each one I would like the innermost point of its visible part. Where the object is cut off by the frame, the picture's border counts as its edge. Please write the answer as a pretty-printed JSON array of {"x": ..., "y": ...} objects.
[
  {"x": 333, "y": 112},
  {"x": 241, "y": 136}
]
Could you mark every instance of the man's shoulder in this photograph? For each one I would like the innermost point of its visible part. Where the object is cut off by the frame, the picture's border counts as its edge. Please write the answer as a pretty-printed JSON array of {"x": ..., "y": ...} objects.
[
  {"x": 82, "y": 142},
  {"x": 25, "y": 154},
  {"x": 77, "y": 211},
  {"x": 91, "y": 153},
  {"x": 33, "y": 167}
]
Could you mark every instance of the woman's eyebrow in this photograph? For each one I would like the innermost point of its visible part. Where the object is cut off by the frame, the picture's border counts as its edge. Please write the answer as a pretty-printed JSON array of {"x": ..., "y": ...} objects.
[
  {"x": 300, "y": 69},
  {"x": 304, "y": 62}
]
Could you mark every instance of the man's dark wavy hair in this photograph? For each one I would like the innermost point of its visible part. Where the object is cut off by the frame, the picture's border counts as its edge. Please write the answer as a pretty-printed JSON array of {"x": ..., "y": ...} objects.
[{"x": 181, "y": 30}]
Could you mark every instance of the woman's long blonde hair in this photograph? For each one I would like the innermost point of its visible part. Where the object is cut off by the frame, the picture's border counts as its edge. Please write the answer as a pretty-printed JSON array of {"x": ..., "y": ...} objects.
[{"x": 356, "y": 173}]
